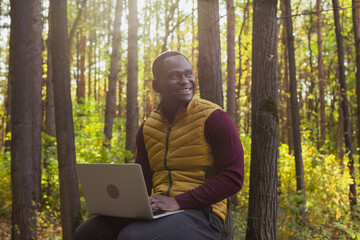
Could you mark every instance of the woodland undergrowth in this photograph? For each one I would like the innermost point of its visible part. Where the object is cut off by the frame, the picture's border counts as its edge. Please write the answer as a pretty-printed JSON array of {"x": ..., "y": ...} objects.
[{"x": 328, "y": 214}]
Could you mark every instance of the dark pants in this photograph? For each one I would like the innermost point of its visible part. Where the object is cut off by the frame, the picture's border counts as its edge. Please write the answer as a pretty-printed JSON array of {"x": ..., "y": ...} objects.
[{"x": 190, "y": 224}]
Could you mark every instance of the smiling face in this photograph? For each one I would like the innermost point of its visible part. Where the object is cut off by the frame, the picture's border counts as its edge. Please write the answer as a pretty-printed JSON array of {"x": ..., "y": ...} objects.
[{"x": 176, "y": 82}]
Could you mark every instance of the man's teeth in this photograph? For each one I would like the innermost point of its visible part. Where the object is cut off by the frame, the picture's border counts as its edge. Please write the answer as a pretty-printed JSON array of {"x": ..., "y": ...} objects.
[{"x": 184, "y": 90}]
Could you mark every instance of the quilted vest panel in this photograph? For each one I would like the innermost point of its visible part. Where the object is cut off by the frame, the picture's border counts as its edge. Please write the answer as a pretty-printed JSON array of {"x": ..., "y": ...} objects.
[{"x": 179, "y": 155}]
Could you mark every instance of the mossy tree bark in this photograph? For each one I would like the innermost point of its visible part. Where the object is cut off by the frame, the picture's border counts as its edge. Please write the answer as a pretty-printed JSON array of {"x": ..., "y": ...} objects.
[{"x": 262, "y": 211}]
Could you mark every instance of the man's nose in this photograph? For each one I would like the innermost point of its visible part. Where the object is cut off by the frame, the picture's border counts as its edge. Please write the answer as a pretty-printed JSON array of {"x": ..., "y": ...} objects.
[{"x": 183, "y": 79}]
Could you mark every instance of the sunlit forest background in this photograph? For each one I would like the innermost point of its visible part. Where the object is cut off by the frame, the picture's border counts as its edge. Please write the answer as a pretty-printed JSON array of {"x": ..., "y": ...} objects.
[{"x": 173, "y": 25}]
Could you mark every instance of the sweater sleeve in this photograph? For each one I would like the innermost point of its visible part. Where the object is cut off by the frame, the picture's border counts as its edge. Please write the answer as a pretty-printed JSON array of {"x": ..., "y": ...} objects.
[
  {"x": 141, "y": 158},
  {"x": 223, "y": 137}
]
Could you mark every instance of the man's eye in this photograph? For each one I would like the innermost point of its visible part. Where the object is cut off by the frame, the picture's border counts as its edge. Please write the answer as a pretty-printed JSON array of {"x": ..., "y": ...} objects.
[
  {"x": 188, "y": 74},
  {"x": 174, "y": 76}
]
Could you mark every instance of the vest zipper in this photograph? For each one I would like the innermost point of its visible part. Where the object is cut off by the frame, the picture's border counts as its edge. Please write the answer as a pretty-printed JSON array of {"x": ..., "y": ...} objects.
[{"x": 165, "y": 163}]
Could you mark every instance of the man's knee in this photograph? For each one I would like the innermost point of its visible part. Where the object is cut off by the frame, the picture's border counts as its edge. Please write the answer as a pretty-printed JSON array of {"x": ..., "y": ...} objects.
[
  {"x": 131, "y": 233},
  {"x": 95, "y": 228},
  {"x": 83, "y": 232}
]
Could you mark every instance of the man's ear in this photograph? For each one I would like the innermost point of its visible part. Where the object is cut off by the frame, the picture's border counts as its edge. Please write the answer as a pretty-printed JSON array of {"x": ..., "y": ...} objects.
[{"x": 155, "y": 85}]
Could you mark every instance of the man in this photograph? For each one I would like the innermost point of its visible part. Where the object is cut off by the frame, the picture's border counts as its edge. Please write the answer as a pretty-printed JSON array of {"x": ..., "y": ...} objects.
[{"x": 192, "y": 159}]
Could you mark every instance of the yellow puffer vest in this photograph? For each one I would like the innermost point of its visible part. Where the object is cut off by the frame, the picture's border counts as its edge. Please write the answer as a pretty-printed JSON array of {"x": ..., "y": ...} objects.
[{"x": 180, "y": 157}]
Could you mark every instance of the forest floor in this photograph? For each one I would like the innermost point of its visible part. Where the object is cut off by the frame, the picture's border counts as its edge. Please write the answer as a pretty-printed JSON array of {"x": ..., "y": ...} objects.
[
  {"x": 42, "y": 233},
  {"x": 5, "y": 229}
]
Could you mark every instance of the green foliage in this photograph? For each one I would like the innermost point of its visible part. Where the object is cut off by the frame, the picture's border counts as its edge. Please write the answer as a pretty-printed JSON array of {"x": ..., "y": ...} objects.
[
  {"x": 90, "y": 142},
  {"x": 327, "y": 183},
  {"x": 240, "y": 212},
  {"x": 50, "y": 176},
  {"x": 90, "y": 147},
  {"x": 5, "y": 183},
  {"x": 328, "y": 213}
]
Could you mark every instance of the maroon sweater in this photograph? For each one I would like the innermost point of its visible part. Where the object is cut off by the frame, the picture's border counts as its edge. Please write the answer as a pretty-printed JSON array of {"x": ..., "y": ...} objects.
[{"x": 222, "y": 135}]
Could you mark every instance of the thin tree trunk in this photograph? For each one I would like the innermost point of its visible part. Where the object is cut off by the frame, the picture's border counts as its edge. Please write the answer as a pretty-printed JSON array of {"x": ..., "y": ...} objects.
[
  {"x": 120, "y": 105},
  {"x": 132, "y": 112},
  {"x": 357, "y": 48},
  {"x": 96, "y": 61},
  {"x": 193, "y": 32},
  {"x": 209, "y": 63},
  {"x": 69, "y": 187},
  {"x": 7, "y": 103},
  {"x": 299, "y": 166},
  {"x": 114, "y": 69},
  {"x": 358, "y": 13},
  {"x": 90, "y": 54},
  {"x": 262, "y": 211},
  {"x": 283, "y": 81},
  {"x": 340, "y": 135},
  {"x": 244, "y": 28},
  {"x": 247, "y": 103},
  {"x": 289, "y": 133},
  {"x": 81, "y": 82},
  {"x": 345, "y": 103},
  {"x": 36, "y": 78},
  {"x": 6, "y": 117},
  {"x": 49, "y": 100},
  {"x": 310, "y": 96},
  {"x": 49, "y": 108},
  {"x": 230, "y": 108},
  {"x": 321, "y": 76},
  {"x": 23, "y": 211},
  {"x": 76, "y": 71},
  {"x": 169, "y": 16},
  {"x": 228, "y": 231},
  {"x": 75, "y": 25}
]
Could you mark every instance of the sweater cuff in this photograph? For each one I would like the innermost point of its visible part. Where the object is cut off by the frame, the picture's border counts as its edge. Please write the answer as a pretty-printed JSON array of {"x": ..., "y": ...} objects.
[{"x": 186, "y": 201}]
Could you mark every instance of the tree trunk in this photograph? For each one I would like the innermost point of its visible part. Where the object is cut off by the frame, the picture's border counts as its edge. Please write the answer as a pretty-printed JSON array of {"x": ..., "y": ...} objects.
[
  {"x": 228, "y": 231},
  {"x": 262, "y": 211},
  {"x": 344, "y": 103},
  {"x": 283, "y": 90},
  {"x": 321, "y": 76},
  {"x": 193, "y": 32},
  {"x": 169, "y": 16},
  {"x": 69, "y": 187},
  {"x": 209, "y": 63},
  {"x": 132, "y": 111},
  {"x": 36, "y": 78},
  {"x": 247, "y": 103},
  {"x": 243, "y": 29},
  {"x": 49, "y": 100},
  {"x": 299, "y": 166},
  {"x": 81, "y": 83},
  {"x": 357, "y": 48},
  {"x": 120, "y": 110},
  {"x": 6, "y": 118},
  {"x": 90, "y": 52},
  {"x": 49, "y": 110},
  {"x": 288, "y": 122},
  {"x": 310, "y": 98},
  {"x": 114, "y": 69},
  {"x": 7, "y": 103},
  {"x": 340, "y": 131},
  {"x": 230, "y": 108},
  {"x": 75, "y": 25},
  {"x": 23, "y": 209}
]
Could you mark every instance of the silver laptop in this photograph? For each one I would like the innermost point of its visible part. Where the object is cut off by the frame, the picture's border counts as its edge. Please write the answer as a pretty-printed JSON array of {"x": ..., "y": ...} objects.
[{"x": 116, "y": 190}]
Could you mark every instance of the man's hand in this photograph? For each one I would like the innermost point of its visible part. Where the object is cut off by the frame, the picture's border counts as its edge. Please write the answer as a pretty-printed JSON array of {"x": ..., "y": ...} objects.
[{"x": 163, "y": 203}]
